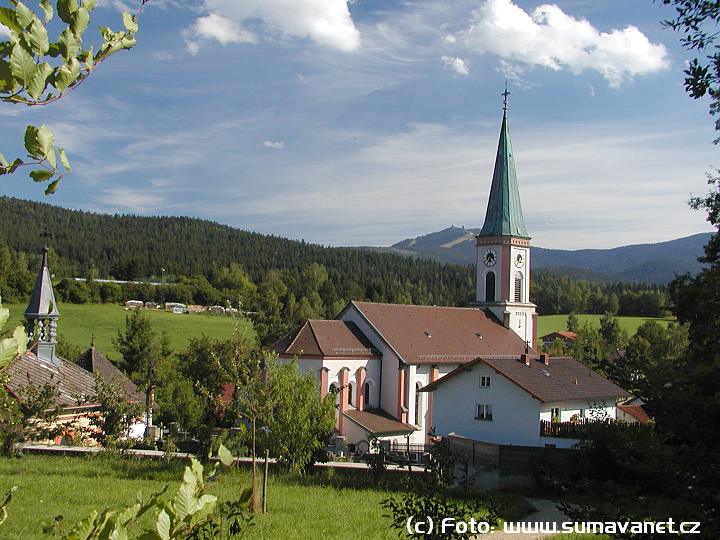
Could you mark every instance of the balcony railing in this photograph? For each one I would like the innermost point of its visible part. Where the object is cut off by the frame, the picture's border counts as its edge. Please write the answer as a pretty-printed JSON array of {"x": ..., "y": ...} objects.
[{"x": 578, "y": 429}]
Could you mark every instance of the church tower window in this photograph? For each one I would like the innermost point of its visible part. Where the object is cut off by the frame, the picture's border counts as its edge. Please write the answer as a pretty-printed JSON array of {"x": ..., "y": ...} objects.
[
  {"x": 490, "y": 287},
  {"x": 519, "y": 287}
]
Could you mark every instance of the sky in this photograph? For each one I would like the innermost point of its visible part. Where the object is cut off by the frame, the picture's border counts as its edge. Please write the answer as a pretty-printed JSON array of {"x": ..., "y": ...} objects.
[{"x": 367, "y": 122}]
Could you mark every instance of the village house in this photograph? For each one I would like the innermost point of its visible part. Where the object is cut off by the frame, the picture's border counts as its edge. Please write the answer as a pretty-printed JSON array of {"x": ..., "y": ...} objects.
[
  {"x": 75, "y": 380},
  {"x": 566, "y": 337},
  {"x": 381, "y": 359}
]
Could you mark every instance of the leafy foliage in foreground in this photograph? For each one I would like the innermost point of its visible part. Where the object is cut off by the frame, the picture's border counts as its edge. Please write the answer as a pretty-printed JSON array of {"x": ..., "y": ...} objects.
[
  {"x": 38, "y": 71},
  {"x": 190, "y": 514}
]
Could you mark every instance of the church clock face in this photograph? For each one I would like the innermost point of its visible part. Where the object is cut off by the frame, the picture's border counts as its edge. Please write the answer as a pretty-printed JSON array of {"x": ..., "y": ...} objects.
[
  {"x": 489, "y": 257},
  {"x": 519, "y": 260}
]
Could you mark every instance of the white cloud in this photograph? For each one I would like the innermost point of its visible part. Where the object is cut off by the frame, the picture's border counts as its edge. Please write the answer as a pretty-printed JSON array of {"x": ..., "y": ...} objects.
[
  {"x": 277, "y": 145},
  {"x": 326, "y": 22},
  {"x": 163, "y": 55},
  {"x": 457, "y": 64},
  {"x": 549, "y": 37},
  {"x": 4, "y": 31}
]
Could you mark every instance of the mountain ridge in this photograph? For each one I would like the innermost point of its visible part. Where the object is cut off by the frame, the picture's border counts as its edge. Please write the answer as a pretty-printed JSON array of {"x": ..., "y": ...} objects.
[{"x": 657, "y": 262}]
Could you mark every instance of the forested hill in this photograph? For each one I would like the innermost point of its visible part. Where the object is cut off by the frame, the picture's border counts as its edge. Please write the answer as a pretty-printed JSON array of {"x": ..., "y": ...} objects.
[{"x": 131, "y": 247}]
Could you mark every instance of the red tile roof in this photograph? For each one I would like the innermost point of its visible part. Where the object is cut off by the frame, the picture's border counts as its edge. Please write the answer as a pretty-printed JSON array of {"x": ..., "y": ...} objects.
[
  {"x": 566, "y": 334},
  {"x": 323, "y": 338},
  {"x": 378, "y": 422},
  {"x": 440, "y": 335},
  {"x": 564, "y": 379},
  {"x": 639, "y": 412}
]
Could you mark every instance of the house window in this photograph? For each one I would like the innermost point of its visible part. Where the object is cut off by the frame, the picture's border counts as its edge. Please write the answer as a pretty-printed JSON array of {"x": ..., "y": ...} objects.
[
  {"x": 484, "y": 381},
  {"x": 490, "y": 287},
  {"x": 518, "y": 287},
  {"x": 555, "y": 414},
  {"x": 483, "y": 412}
]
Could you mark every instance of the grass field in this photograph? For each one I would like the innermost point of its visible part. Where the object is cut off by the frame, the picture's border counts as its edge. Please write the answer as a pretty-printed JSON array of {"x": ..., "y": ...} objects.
[
  {"x": 297, "y": 508},
  {"x": 78, "y": 322},
  {"x": 551, "y": 323}
]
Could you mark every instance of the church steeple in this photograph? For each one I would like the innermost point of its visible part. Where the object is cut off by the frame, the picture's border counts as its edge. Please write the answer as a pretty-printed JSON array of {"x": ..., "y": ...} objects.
[
  {"x": 42, "y": 314},
  {"x": 504, "y": 213},
  {"x": 503, "y": 247}
]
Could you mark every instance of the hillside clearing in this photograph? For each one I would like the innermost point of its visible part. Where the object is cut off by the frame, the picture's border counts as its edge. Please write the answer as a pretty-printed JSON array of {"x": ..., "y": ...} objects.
[{"x": 552, "y": 323}]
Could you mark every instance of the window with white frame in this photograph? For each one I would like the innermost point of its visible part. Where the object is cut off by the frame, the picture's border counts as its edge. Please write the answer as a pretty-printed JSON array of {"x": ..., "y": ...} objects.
[
  {"x": 484, "y": 381},
  {"x": 483, "y": 412}
]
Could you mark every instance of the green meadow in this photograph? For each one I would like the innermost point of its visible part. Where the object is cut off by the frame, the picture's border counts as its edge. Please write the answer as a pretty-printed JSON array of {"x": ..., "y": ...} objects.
[
  {"x": 551, "y": 323},
  {"x": 321, "y": 505},
  {"x": 78, "y": 322}
]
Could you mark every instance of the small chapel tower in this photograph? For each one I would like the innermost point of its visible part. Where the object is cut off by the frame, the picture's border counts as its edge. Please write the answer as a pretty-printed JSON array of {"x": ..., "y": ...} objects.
[
  {"x": 503, "y": 247},
  {"x": 42, "y": 315}
]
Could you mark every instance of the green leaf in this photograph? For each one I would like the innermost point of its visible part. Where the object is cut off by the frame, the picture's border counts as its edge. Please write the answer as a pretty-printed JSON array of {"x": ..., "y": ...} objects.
[
  {"x": 52, "y": 188},
  {"x": 89, "y": 4},
  {"x": 22, "y": 65},
  {"x": 39, "y": 82},
  {"x": 69, "y": 44},
  {"x": 129, "y": 22},
  {"x": 64, "y": 159},
  {"x": 226, "y": 457},
  {"x": 63, "y": 77},
  {"x": 163, "y": 525},
  {"x": 24, "y": 14},
  {"x": 48, "y": 11},
  {"x": 65, "y": 9},
  {"x": 37, "y": 36},
  {"x": 7, "y": 81},
  {"x": 39, "y": 141},
  {"x": 5, "y": 48},
  {"x": 41, "y": 175},
  {"x": 9, "y": 18},
  {"x": 80, "y": 20}
]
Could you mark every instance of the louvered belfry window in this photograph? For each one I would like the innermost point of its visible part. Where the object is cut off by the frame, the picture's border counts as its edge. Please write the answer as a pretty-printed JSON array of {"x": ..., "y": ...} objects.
[{"x": 518, "y": 287}]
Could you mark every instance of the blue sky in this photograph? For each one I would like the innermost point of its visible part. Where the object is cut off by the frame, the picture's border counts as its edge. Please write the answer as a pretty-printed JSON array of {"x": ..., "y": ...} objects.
[{"x": 367, "y": 122}]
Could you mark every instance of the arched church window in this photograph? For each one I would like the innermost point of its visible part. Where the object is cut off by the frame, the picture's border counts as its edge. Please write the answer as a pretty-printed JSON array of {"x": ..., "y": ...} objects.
[
  {"x": 366, "y": 390},
  {"x": 519, "y": 287},
  {"x": 350, "y": 388},
  {"x": 490, "y": 287},
  {"x": 418, "y": 403}
]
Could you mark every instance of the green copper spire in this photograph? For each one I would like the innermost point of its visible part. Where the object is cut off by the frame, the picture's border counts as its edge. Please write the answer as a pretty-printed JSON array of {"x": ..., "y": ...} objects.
[{"x": 504, "y": 213}]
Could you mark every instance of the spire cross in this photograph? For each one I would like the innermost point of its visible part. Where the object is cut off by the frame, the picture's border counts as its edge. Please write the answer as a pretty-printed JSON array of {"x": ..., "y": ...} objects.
[{"x": 505, "y": 95}]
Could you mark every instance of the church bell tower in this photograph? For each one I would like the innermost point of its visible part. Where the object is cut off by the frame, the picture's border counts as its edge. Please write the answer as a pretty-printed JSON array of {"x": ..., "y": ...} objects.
[
  {"x": 42, "y": 314},
  {"x": 503, "y": 247}
]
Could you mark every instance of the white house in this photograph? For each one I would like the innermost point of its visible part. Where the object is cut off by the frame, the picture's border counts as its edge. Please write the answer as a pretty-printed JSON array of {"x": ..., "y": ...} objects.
[{"x": 522, "y": 401}]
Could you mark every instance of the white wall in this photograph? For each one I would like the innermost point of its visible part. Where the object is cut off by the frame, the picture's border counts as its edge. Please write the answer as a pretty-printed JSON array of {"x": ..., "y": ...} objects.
[
  {"x": 389, "y": 362},
  {"x": 516, "y": 414}
]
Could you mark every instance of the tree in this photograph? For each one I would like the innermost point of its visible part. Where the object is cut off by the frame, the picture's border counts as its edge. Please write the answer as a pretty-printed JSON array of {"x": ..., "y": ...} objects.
[
  {"x": 697, "y": 21},
  {"x": 573, "y": 324},
  {"x": 300, "y": 419},
  {"x": 38, "y": 72}
]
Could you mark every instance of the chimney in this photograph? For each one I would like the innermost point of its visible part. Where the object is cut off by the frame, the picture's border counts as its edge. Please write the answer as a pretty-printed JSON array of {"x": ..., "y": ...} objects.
[
  {"x": 545, "y": 359},
  {"x": 506, "y": 319},
  {"x": 525, "y": 358}
]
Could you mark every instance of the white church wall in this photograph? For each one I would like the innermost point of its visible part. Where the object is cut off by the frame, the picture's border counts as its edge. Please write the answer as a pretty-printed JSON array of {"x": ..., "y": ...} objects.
[{"x": 389, "y": 364}]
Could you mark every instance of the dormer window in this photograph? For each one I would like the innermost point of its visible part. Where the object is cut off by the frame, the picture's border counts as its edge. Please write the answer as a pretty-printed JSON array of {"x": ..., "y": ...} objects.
[{"x": 428, "y": 333}]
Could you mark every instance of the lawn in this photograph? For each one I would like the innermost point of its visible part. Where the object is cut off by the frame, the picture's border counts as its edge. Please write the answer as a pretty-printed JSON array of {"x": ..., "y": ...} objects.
[
  {"x": 551, "y": 323},
  {"x": 315, "y": 507},
  {"x": 78, "y": 322}
]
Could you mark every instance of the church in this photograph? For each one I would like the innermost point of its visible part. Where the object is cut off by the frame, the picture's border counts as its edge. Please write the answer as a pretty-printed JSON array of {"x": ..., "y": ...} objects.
[
  {"x": 74, "y": 380},
  {"x": 385, "y": 362}
]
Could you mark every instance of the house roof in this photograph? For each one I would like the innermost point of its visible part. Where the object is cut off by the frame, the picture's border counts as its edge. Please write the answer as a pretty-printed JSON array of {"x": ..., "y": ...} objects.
[
  {"x": 95, "y": 362},
  {"x": 564, "y": 379},
  {"x": 440, "y": 335},
  {"x": 561, "y": 333},
  {"x": 639, "y": 412},
  {"x": 323, "y": 338},
  {"x": 42, "y": 301},
  {"x": 73, "y": 380},
  {"x": 504, "y": 214},
  {"x": 378, "y": 422}
]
